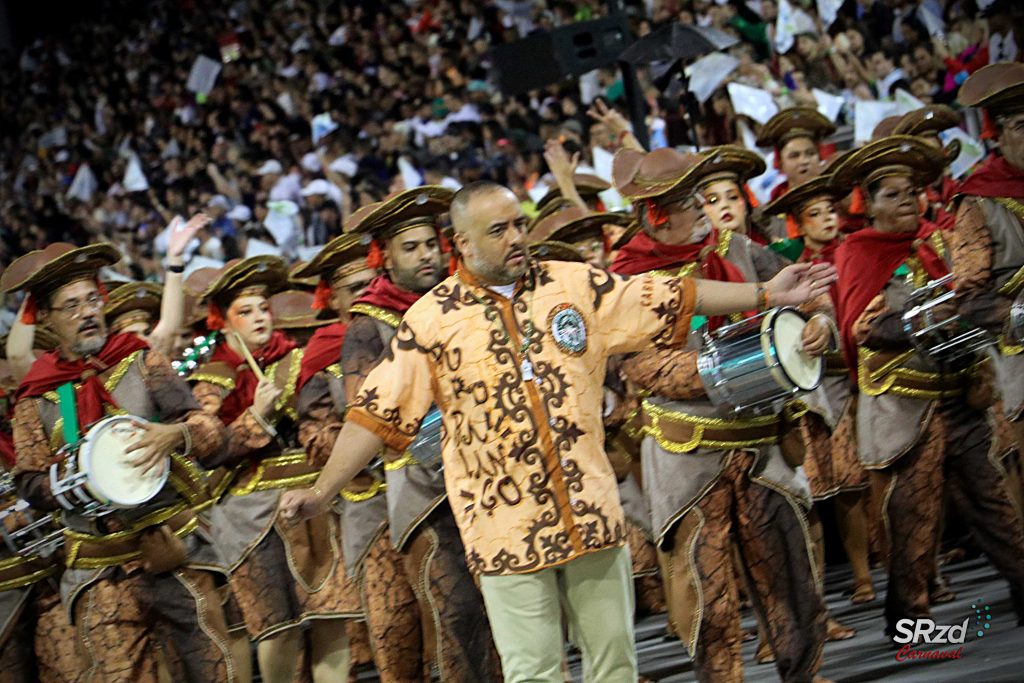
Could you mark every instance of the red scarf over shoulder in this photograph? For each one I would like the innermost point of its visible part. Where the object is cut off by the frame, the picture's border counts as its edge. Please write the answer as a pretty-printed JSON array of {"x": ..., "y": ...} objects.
[
  {"x": 322, "y": 350},
  {"x": 866, "y": 260},
  {"x": 384, "y": 293},
  {"x": 995, "y": 177},
  {"x": 643, "y": 254},
  {"x": 50, "y": 371},
  {"x": 241, "y": 398}
]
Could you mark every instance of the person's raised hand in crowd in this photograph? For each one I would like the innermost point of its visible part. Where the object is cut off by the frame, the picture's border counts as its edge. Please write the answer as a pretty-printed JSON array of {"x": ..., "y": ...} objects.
[{"x": 562, "y": 167}]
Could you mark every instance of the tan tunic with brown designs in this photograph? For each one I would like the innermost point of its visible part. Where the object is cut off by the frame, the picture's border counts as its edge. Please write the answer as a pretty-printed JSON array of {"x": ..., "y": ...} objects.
[
  {"x": 678, "y": 474},
  {"x": 519, "y": 385},
  {"x": 988, "y": 262},
  {"x": 142, "y": 384}
]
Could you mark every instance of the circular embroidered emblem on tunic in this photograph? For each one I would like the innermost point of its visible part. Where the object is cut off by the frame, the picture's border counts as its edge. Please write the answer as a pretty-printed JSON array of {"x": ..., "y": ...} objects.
[{"x": 568, "y": 329}]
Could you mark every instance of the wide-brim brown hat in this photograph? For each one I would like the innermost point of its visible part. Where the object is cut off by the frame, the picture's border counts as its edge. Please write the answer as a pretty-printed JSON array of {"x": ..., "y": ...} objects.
[
  {"x": 795, "y": 122},
  {"x": 793, "y": 201},
  {"x": 346, "y": 252},
  {"x": 997, "y": 87},
  {"x": 573, "y": 224},
  {"x": 627, "y": 235},
  {"x": 59, "y": 264},
  {"x": 896, "y": 155},
  {"x": 729, "y": 162},
  {"x": 886, "y": 127},
  {"x": 42, "y": 340},
  {"x": 641, "y": 175},
  {"x": 556, "y": 251},
  {"x": 405, "y": 210},
  {"x": 587, "y": 184},
  {"x": 265, "y": 274},
  {"x": 293, "y": 309},
  {"x": 930, "y": 120},
  {"x": 133, "y": 302}
]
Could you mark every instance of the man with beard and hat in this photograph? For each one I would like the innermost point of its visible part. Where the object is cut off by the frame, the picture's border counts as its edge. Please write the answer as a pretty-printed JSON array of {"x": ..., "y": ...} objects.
[
  {"x": 714, "y": 478},
  {"x": 137, "y": 580},
  {"x": 926, "y": 123},
  {"x": 919, "y": 428},
  {"x": 988, "y": 237},
  {"x": 37, "y": 640},
  {"x": 421, "y": 603},
  {"x": 513, "y": 353}
]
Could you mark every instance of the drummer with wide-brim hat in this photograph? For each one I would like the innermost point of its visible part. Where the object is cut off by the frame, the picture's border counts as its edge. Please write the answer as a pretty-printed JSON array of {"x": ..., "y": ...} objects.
[
  {"x": 282, "y": 576},
  {"x": 988, "y": 252},
  {"x": 149, "y": 560},
  {"x": 796, "y": 134},
  {"x": 702, "y": 493},
  {"x": 918, "y": 425},
  {"x": 586, "y": 231},
  {"x": 414, "y": 575},
  {"x": 926, "y": 123}
]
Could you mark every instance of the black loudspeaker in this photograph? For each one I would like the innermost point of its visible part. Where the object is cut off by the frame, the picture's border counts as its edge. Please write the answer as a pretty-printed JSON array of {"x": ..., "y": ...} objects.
[{"x": 541, "y": 59}]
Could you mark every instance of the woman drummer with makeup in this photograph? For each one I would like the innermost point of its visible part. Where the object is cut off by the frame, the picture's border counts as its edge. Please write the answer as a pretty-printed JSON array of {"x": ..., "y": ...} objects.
[
  {"x": 282, "y": 576},
  {"x": 917, "y": 427}
]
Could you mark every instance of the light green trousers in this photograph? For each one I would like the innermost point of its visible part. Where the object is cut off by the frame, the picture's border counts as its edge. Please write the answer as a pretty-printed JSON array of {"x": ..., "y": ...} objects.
[{"x": 596, "y": 593}]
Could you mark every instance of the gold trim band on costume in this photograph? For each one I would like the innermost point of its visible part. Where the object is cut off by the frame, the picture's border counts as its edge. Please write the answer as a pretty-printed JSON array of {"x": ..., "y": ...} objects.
[
  {"x": 377, "y": 313},
  {"x": 700, "y": 425},
  {"x": 377, "y": 487}
]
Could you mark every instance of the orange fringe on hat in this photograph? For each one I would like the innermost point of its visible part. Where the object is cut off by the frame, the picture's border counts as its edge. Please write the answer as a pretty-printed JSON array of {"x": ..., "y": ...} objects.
[
  {"x": 453, "y": 263},
  {"x": 321, "y": 296},
  {"x": 857, "y": 203},
  {"x": 656, "y": 216},
  {"x": 989, "y": 130},
  {"x": 792, "y": 229},
  {"x": 375, "y": 259},
  {"x": 28, "y": 316},
  {"x": 214, "y": 317},
  {"x": 751, "y": 199}
]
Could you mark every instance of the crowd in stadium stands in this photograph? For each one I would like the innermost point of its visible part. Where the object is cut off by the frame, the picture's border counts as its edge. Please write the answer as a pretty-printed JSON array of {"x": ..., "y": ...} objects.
[{"x": 401, "y": 80}]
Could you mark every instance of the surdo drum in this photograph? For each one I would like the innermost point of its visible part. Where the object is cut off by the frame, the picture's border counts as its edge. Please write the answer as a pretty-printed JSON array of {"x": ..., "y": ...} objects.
[
  {"x": 756, "y": 362},
  {"x": 98, "y": 474}
]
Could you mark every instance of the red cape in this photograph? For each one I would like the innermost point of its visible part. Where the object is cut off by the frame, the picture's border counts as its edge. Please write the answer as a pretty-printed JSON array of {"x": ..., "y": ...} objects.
[
  {"x": 50, "y": 371},
  {"x": 643, "y": 254},
  {"x": 384, "y": 293},
  {"x": 241, "y": 398},
  {"x": 865, "y": 261},
  {"x": 323, "y": 349},
  {"x": 995, "y": 177}
]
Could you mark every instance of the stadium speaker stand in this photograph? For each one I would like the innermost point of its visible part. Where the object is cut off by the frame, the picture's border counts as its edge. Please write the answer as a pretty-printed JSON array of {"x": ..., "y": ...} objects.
[{"x": 541, "y": 59}]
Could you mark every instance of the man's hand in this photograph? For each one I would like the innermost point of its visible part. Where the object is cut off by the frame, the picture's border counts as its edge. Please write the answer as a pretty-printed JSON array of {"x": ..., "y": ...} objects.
[
  {"x": 562, "y": 167},
  {"x": 799, "y": 283},
  {"x": 301, "y": 504},
  {"x": 182, "y": 233},
  {"x": 158, "y": 441},
  {"x": 611, "y": 118},
  {"x": 816, "y": 337}
]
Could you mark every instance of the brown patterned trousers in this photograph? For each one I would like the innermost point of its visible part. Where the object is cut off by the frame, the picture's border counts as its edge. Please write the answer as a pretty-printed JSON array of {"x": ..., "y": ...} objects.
[
  {"x": 122, "y": 622},
  {"x": 954, "y": 454},
  {"x": 422, "y": 607},
  {"x": 41, "y": 647},
  {"x": 769, "y": 530}
]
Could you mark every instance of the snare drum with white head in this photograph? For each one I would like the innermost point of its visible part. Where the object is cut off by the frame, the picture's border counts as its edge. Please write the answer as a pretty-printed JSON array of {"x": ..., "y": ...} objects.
[
  {"x": 99, "y": 475},
  {"x": 940, "y": 341},
  {"x": 758, "y": 361}
]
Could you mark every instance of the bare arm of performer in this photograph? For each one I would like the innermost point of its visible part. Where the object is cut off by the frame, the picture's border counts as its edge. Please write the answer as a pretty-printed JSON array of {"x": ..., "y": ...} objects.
[
  {"x": 793, "y": 286},
  {"x": 19, "y": 345},
  {"x": 172, "y": 303},
  {"x": 562, "y": 168}
]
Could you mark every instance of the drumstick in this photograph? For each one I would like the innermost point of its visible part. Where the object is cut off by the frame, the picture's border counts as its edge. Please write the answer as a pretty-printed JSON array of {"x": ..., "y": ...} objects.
[{"x": 248, "y": 357}]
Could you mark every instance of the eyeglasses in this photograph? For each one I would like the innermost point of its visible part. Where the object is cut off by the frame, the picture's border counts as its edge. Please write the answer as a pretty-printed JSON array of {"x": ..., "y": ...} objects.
[{"x": 75, "y": 308}]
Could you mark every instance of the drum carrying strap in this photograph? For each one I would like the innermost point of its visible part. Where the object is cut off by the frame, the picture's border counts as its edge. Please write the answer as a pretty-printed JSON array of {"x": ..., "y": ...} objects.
[{"x": 68, "y": 412}]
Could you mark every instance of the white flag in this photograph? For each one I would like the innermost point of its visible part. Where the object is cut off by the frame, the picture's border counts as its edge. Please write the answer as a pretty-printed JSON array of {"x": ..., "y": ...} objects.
[
  {"x": 971, "y": 151},
  {"x": 828, "y": 10},
  {"x": 829, "y": 105},
  {"x": 905, "y": 102},
  {"x": 753, "y": 102},
  {"x": 203, "y": 75},
  {"x": 867, "y": 115},
  {"x": 785, "y": 35},
  {"x": 84, "y": 184},
  {"x": 603, "y": 170},
  {"x": 134, "y": 179},
  {"x": 934, "y": 23},
  {"x": 410, "y": 176},
  {"x": 707, "y": 74}
]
